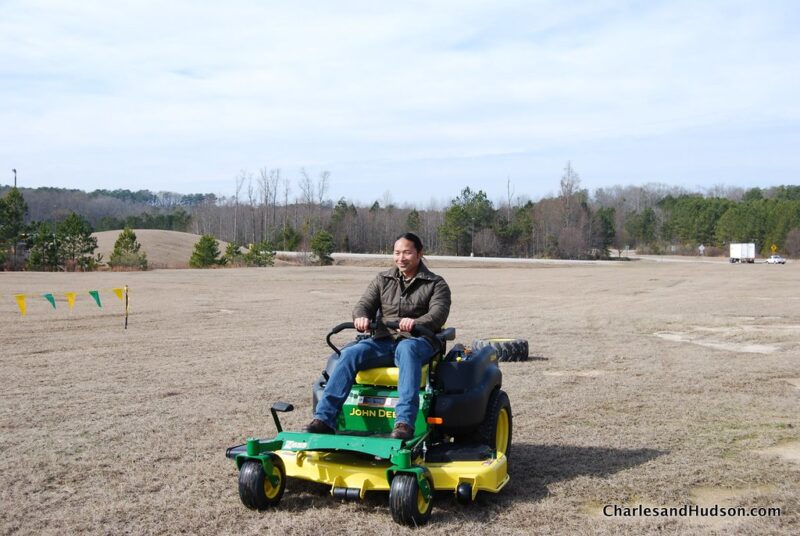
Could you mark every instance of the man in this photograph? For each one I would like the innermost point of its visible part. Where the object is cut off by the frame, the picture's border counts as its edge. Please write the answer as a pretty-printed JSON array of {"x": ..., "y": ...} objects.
[{"x": 411, "y": 295}]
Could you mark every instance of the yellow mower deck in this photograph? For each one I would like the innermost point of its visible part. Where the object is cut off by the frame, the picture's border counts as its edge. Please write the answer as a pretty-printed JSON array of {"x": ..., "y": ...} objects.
[{"x": 346, "y": 470}]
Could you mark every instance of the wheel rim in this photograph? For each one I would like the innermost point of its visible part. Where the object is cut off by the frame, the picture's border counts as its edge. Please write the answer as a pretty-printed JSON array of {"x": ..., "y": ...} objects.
[
  {"x": 269, "y": 490},
  {"x": 501, "y": 433},
  {"x": 422, "y": 504}
]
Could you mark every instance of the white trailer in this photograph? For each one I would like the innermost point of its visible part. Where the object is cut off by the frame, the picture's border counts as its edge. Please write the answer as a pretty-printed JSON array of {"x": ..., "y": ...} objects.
[{"x": 743, "y": 252}]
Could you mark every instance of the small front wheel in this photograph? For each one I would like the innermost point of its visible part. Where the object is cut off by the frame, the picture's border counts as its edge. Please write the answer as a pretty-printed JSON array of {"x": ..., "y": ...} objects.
[
  {"x": 407, "y": 502},
  {"x": 258, "y": 492}
]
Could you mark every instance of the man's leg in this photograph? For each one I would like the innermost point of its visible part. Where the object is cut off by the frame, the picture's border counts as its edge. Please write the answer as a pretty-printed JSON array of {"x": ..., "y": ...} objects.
[
  {"x": 410, "y": 356},
  {"x": 365, "y": 354}
]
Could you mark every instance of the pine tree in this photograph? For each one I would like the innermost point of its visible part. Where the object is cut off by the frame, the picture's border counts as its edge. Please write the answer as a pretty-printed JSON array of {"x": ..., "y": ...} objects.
[
  {"x": 12, "y": 223},
  {"x": 233, "y": 254},
  {"x": 43, "y": 252},
  {"x": 126, "y": 253},
  {"x": 260, "y": 254},
  {"x": 206, "y": 253},
  {"x": 76, "y": 244},
  {"x": 322, "y": 247}
]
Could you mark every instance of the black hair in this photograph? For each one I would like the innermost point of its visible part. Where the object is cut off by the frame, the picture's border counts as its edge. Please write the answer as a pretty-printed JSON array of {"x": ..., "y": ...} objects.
[{"x": 411, "y": 237}]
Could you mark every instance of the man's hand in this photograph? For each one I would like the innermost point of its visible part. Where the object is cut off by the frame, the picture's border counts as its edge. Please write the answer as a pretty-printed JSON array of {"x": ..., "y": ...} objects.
[
  {"x": 407, "y": 324},
  {"x": 361, "y": 323}
]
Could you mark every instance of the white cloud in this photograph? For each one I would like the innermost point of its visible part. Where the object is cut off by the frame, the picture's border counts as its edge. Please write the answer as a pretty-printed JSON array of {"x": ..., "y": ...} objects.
[{"x": 210, "y": 89}]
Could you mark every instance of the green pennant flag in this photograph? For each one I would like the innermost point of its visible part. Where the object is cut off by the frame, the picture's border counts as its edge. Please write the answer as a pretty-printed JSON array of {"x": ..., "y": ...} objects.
[
  {"x": 49, "y": 297},
  {"x": 96, "y": 295}
]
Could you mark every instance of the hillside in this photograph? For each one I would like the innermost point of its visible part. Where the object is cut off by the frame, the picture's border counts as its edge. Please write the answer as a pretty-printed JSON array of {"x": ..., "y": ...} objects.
[{"x": 164, "y": 249}]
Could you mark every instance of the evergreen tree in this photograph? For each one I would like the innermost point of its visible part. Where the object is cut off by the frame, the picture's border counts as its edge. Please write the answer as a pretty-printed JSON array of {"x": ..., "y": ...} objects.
[
  {"x": 642, "y": 227},
  {"x": 126, "y": 252},
  {"x": 206, "y": 253},
  {"x": 289, "y": 238},
  {"x": 603, "y": 230},
  {"x": 322, "y": 247},
  {"x": 75, "y": 243},
  {"x": 468, "y": 213},
  {"x": 12, "y": 224},
  {"x": 261, "y": 254},
  {"x": 233, "y": 254},
  {"x": 413, "y": 222},
  {"x": 43, "y": 248}
]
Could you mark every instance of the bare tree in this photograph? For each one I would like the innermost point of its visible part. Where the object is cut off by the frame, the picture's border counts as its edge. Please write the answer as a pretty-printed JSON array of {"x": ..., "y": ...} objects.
[
  {"x": 307, "y": 192},
  {"x": 266, "y": 195},
  {"x": 252, "y": 202},
  {"x": 792, "y": 244},
  {"x": 274, "y": 180},
  {"x": 306, "y": 186},
  {"x": 239, "y": 183},
  {"x": 322, "y": 189},
  {"x": 509, "y": 197},
  {"x": 322, "y": 186},
  {"x": 570, "y": 184},
  {"x": 287, "y": 188},
  {"x": 571, "y": 243}
]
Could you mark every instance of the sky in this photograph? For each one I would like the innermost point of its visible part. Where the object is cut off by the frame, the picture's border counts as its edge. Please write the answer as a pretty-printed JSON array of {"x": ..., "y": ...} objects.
[{"x": 408, "y": 101}]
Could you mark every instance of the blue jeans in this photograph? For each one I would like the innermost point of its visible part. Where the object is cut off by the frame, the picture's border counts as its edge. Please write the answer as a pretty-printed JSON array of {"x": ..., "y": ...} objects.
[{"x": 409, "y": 355}]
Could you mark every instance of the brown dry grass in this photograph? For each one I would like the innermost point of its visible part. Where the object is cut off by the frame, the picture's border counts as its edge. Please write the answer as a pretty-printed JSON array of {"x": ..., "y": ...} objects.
[{"x": 641, "y": 395}]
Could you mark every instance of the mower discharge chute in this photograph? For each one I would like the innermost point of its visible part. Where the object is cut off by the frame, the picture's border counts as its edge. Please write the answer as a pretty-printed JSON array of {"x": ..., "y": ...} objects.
[{"x": 461, "y": 443}]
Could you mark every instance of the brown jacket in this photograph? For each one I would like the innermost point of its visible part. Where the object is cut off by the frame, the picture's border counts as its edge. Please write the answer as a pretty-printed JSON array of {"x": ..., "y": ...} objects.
[{"x": 426, "y": 299}]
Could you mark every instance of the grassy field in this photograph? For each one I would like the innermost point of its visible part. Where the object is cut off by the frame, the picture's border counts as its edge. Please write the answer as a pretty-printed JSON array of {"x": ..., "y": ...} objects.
[{"x": 660, "y": 384}]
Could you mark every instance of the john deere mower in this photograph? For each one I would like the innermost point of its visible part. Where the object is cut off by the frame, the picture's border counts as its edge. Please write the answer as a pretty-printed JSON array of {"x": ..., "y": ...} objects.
[{"x": 461, "y": 443}]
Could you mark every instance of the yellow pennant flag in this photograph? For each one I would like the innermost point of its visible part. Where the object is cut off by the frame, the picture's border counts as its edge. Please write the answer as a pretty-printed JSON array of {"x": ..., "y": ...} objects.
[
  {"x": 21, "y": 303},
  {"x": 70, "y": 299},
  {"x": 118, "y": 292}
]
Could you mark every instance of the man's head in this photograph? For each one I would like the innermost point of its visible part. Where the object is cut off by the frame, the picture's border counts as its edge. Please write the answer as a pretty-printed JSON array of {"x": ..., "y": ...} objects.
[{"x": 408, "y": 254}]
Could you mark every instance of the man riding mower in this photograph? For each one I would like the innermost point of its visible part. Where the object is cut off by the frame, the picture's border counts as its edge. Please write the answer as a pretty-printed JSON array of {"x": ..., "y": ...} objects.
[{"x": 461, "y": 441}]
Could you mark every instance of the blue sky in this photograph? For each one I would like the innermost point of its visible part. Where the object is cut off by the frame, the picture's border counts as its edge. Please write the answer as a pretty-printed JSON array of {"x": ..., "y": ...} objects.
[{"x": 410, "y": 100}]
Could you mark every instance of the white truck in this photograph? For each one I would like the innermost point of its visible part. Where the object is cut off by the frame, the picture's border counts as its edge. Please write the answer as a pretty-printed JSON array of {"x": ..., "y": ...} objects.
[{"x": 744, "y": 252}]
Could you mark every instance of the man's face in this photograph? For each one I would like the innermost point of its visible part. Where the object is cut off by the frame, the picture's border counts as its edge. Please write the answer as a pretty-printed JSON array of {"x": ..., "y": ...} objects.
[{"x": 406, "y": 256}]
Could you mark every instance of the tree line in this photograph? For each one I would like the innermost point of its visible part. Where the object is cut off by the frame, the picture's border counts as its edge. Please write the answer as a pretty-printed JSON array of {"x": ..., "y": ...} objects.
[{"x": 268, "y": 212}]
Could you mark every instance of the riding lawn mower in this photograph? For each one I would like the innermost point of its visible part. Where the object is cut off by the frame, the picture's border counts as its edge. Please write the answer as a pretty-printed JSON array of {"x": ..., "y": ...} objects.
[{"x": 461, "y": 442}]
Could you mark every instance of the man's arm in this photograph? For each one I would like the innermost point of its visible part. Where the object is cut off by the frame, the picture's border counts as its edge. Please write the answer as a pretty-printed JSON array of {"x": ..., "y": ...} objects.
[
  {"x": 370, "y": 302},
  {"x": 438, "y": 308}
]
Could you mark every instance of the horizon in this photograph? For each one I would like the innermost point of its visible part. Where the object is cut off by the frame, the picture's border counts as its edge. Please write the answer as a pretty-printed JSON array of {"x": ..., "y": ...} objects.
[{"x": 718, "y": 190}]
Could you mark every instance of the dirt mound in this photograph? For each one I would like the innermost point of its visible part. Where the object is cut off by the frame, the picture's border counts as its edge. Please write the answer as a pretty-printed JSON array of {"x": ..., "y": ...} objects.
[{"x": 164, "y": 249}]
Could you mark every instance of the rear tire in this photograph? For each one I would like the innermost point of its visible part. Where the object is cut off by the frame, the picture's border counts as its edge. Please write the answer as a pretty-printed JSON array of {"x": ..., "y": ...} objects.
[
  {"x": 255, "y": 489},
  {"x": 406, "y": 502},
  {"x": 507, "y": 349},
  {"x": 495, "y": 430}
]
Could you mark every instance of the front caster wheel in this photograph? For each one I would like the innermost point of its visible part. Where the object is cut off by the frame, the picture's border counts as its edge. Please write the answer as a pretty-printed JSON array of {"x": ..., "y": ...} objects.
[
  {"x": 406, "y": 501},
  {"x": 464, "y": 494},
  {"x": 258, "y": 492}
]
